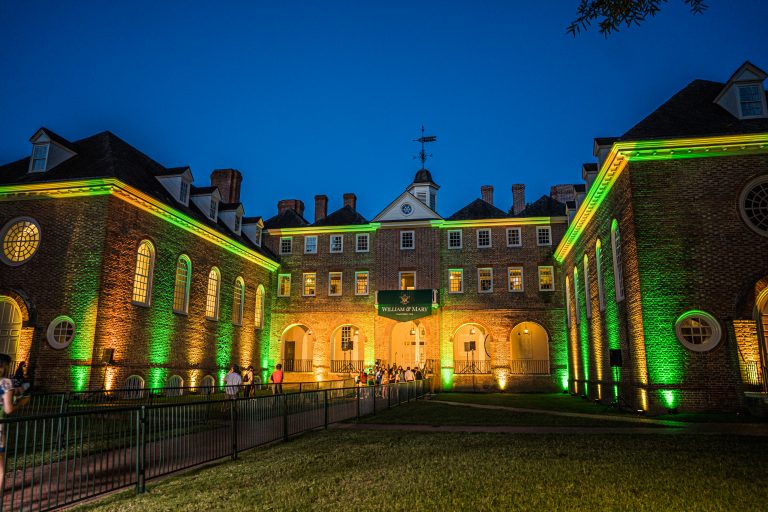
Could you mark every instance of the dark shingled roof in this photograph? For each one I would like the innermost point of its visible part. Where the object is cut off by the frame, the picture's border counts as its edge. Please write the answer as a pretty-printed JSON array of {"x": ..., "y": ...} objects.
[
  {"x": 199, "y": 191},
  {"x": 581, "y": 187},
  {"x": 605, "y": 141},
  {"x": 172, "y": 171},
  {"x": 692, "y": 112},
  {"x": 105, "y": 155},
  {"x": 479, "y": 209},
  {"x": 290, "y": 218},
  {"x": 545, "y": 206},
  {"x": 251, "y": 220},
  {"x": 229, "y": 206},
  {"x": 345, "y": 216},
  {"x": 423, "y": 176}
]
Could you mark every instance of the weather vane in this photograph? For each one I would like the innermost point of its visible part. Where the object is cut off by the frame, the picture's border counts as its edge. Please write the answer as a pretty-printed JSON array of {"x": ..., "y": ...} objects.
[{"x": 424, "y": 139}]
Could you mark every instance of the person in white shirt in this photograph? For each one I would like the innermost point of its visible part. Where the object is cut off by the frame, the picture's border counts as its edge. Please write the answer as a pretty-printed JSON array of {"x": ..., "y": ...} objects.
[
  {"x": 409, "y": 376},
  {"x": 232, "y": 382}
]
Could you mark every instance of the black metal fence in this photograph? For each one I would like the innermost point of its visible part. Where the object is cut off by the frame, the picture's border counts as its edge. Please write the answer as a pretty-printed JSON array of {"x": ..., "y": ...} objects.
[{"x": 59, "y": 459}]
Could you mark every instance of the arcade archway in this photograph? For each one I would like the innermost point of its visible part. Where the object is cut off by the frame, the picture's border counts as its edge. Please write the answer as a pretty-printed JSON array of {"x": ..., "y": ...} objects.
[
  {"x": 529, "y": 350},
  {"x": 471, "y": 350},
  {"x": 347, "y": 349},
  {"x": 296, "y": 348}
]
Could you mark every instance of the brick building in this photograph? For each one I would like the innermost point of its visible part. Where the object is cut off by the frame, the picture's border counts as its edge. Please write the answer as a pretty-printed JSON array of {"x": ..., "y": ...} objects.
[
  {"x": 665, "y": 261},
  {"x": 645, "y": 284}
]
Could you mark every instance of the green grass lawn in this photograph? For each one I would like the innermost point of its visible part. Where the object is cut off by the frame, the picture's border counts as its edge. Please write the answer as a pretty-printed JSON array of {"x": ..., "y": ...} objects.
[
  {"x": 430, "y": 413},
  {"x": 363, "y": 470}
]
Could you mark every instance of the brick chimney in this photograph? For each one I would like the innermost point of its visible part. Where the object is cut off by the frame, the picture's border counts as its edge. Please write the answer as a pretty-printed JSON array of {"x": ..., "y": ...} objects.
[
  {"x": 321, "y": 207},
  {"x": 518, "y": 198},
  {"x": 287, "y": 204},
  {"x": 228, "y": 182},
  {"x": 350, "y": 200},
  {"x": 486, "y": 192}
]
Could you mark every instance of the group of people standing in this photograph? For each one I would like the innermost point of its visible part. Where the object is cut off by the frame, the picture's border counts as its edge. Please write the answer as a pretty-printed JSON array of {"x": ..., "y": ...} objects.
[
  {"x": 394, "y": 374},
  {"x": 247, "y": 382}
]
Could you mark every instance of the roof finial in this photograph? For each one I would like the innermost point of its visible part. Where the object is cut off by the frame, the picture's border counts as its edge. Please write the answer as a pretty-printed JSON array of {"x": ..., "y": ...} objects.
[{"x": 424, "y": 139}]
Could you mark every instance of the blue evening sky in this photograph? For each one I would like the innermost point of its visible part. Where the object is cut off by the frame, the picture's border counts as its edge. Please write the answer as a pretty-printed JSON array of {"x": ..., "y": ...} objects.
[{"x": 325, "y": 97}]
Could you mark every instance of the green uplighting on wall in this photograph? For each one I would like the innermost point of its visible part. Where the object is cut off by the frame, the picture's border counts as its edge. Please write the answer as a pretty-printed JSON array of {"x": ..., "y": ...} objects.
[
  {"x": 157, "y": 377},
  {"x": 669, "y": 397},
  {"x": 446, "y": 375},
  {"x": 79, "y": 377},
  {"x": 564, "y": 379}
]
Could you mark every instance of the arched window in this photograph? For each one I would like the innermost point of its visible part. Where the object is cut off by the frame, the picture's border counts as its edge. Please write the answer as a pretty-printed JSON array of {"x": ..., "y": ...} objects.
[
  {"x": 576, "y": 295},
  {"x": 587, "y": 291},
  {"x": 174, "y": 386},
  {"x": 142, "y": 277},
  {"x": 599, "y": 269},
  {"x": 212, "y": 296},
  {"x": 238, "y": 300},
  {"x": 21, "y": 239},
  {"x": 134, "y": 388},
  {"x": 181, "y": 285},
  {"x": 259, "y": 320},
  {"x": 618, "y": 270},
  {"x": 568, "y": 300},
  {"x": 208, "y": 385}
]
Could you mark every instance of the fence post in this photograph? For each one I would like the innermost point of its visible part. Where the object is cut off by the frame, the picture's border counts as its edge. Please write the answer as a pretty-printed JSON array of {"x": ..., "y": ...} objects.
[
  {"x": 374, "y": 400},
  {"x": 141, "y": 426},
  {"x": 233, "y": 419},
  {"x": 325, "y": 406},
  {"x": 358, "y": 402},
  {"x": 285, "y": 416}
]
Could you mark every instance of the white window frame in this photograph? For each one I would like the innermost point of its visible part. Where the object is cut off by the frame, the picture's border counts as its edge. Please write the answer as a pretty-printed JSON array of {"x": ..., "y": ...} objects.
[
  {"x": 461, "y": 238},
  {"x": 761, "y": 97},
  {"x": 552, "y": 273},
  {"x": 306, "y": 245},
  {"x": 461, "y": 280},
  {"x": 187, "y": 284},
  {"x": 304, "y": 276},
  {"x": 32, "y": 159},
  {"x": 577, "y": 308},
  {"x": 362, "y": 236},
  {"x": 490, "y": 240},
  {"x": 280, "y": 278},
  {"x": 214, "y": 315},
  {"x": 367, "y": 282},
  {"x": 259, "y": 307},
  {"x": 599, "y": 270},
  {"x": 715, "y": 338},
  {"x": 479, "y": 280},
  {"x": 519, "y": 232},
  {"x": 400, "y": 278},
  {"x": 331, "y": 239},
  {"x": 413, "y": 240},
  {"x": 184, "y": 192},
  {"x": 548, "y": 229},
  {"x": 213, "y": 209},
  {"x": 147, "y": 301},
  {"x": 618, "y": 265},
  {"x": 50, "y": 334},
  {"x": 341, "y": 284},
  {"x": 509, "y": 280},
  {"x": 587, "y": 289},
  {"x": 288, "y": 239},
  {"x": 238, "y": 315}
]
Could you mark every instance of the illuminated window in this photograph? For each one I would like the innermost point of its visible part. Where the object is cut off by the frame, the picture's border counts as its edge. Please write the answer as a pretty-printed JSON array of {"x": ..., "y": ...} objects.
[
  {"x": 39, "y": 157},
  {"x": 599, "y": 265},
  {"x": 750, "y": 102},
  {"x": 362, "y": 242},
  {"x": 543, "y": 235},
  {"x": 212, "y": 295},
  {"x": 456, "y": 280},
  {"x": 238, "y": 301},
  {"x": 698, "y": 331},
  {"x": 337, "y": 243},
  {"x": 309, "y": 284},
  {"x": 546, "y": 279},
  {"x": 21, "y": 238},
  {"x": 181, "y": 285},
  {"x": 286, "y": 245},
  {"x": 484, "y": 280},
  {"x": 284, "y": 285},
  {"x": 407, "y": 240},
  {"x": 515, "y": 275},
  {"x": 334, "y": 283},
  {"x": 618, "y": 269},
  {"x": 60, "y": 332},
  {"x": 142, "y": 277},
  {"x": 514, "y": 238},
  {"x": 310, "y": 245},
  {"x": 361, "y": 283},
  {"x": 754, "y": 205},
  {"x": 407, "y": 280},
  {"x": 259, "y": 310},
  {"x": 454, "y": 239},
  {"x": 483, "y": 238},
  {"x": 587, "y": 291}
]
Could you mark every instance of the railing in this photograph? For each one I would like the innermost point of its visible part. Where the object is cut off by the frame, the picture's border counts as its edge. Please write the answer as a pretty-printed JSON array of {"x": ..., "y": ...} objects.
[
  {"x": 472, "y": 367},
  {"x": 59, "y": 403},
  {"x": 346, "y": 366},
  {"x": 57, "y": 460},
  {"x": 297, "y": 365},
  {"x": 529, "y": 367},
  {"x": 752, "y": 376}
]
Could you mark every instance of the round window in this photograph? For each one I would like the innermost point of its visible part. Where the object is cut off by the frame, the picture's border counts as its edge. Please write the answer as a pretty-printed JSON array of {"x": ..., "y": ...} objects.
[
  {"x": 406, "y": 208},
  {"x": 754, "y": 205},
  {"x": 61, "y": 332},
  {"x": 21, "y": 238},
  {"x": 698, "y": 331}
]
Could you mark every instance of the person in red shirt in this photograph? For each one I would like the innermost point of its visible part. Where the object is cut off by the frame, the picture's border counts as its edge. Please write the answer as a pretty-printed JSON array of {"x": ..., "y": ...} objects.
[{"x": 277, "y": 380}]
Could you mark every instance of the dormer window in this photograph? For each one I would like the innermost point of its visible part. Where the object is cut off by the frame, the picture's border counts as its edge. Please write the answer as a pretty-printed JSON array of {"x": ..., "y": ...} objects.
[
  {"x": 258, "y": 236},
  {"x": 237, "y": 224},
  {"x": 750, "y": 102},
  {"x": 213, "y": 209},
  {"x": 184, "y": 192},
  {"x": 39, "y": 157}
]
